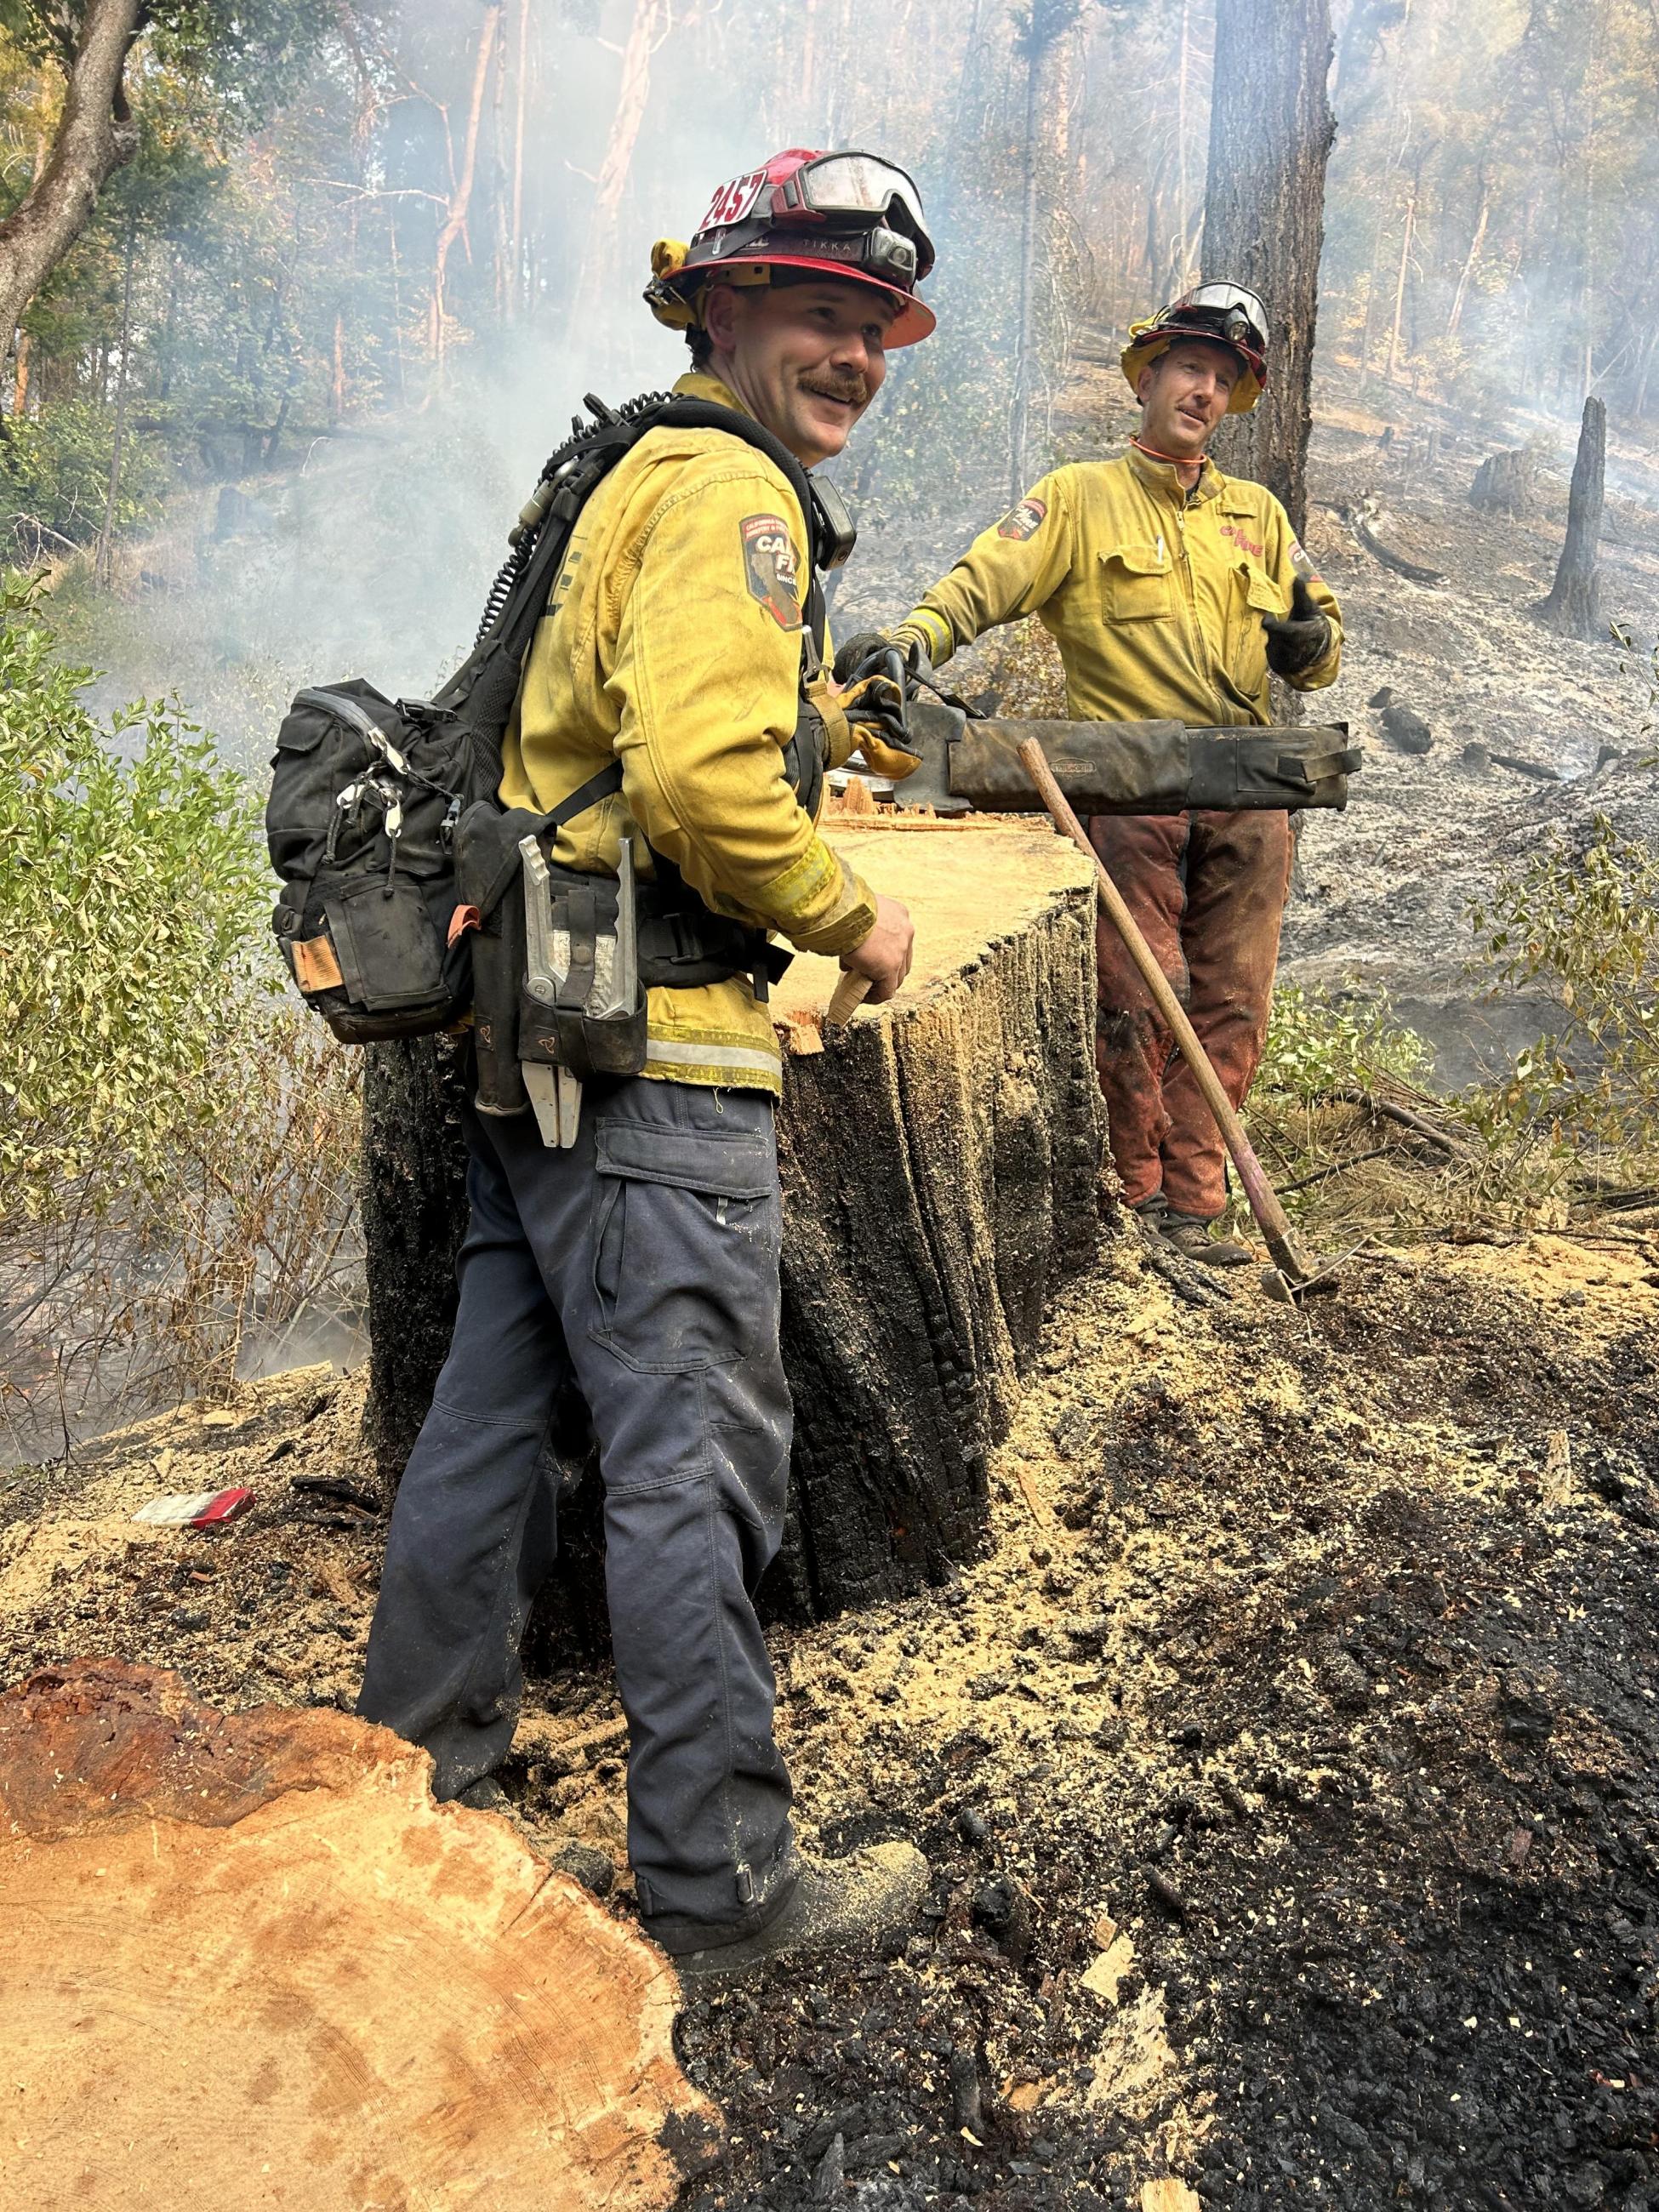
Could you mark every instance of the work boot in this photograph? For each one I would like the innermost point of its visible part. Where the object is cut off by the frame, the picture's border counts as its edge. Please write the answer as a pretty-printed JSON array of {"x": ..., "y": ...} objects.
[
  {"x": 853, "y": 1908},
  {"x": 1151, "y": 1213},
  {"x": 1189, "y": 1234}
]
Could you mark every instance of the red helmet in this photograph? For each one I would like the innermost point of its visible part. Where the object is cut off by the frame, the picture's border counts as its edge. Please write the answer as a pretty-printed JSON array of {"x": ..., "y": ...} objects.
[{"x": 849, "y": 215}]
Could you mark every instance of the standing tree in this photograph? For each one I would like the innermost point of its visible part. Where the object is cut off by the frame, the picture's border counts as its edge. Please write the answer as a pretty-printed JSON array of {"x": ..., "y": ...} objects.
[
  {"x": 1041, "y": 26},
  {"x": 1574, "y": 604},
  {"x": 1271, "y": 129},
  {"x": 242, "y": 56},
  {"x": 96, "y": 135}
]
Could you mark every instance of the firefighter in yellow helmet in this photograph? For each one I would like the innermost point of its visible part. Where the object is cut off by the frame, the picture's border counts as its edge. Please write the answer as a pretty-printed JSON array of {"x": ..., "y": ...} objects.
[
  {"x": 1171, "y": 591},
  {"x": 674, "y": 695}
]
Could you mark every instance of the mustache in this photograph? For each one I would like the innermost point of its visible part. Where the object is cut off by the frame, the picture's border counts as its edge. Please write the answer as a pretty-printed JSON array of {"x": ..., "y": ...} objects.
[{"x": 853, "y": 391}]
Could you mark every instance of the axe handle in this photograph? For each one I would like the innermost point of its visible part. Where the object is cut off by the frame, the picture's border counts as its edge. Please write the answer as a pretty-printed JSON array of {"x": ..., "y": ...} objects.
[
  {"x": 848, "y": 996},
  {"x": 1264, "y": 1203}
]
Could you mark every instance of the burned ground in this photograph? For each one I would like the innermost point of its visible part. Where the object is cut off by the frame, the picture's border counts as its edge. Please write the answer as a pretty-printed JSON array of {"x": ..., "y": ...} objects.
[{"x": 1286, "y": 1766}]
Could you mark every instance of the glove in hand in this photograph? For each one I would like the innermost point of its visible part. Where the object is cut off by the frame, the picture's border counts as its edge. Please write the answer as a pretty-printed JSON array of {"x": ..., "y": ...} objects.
[
  {"x": 872, "y": 700},
  {"x": 1297, "y": 641}
]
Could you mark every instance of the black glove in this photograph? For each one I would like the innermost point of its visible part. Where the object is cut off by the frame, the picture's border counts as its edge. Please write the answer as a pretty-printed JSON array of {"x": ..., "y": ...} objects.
[
  {"x": 1298, "y": 641},
  {"x": 869, "y": 655},
  {"x": 876, "y": 673}
]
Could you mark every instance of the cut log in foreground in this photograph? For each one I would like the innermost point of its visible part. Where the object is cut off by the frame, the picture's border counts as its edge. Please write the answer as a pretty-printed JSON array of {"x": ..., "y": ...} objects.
[{"x": 246, "y": 1961}]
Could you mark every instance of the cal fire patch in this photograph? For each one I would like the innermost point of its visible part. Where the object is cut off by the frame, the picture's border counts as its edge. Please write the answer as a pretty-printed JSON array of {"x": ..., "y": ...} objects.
[
  {"x": 769, "y": 559},
  {"x": 1023, "y": 521}
]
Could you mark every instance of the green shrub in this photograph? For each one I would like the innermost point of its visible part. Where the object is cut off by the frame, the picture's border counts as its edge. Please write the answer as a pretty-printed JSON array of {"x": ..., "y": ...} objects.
[
  {"x": 178, "y": 1140},
  {"x": 1581, "y": 930},
  {"x": 1321, "y": 1043},
  {"x": 129, "y": 907},
  {"x": 54, "y": 475}
]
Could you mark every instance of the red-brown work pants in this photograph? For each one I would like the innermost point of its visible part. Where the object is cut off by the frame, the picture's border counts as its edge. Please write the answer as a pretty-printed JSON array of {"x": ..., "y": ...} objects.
[{"x": 1208, "y": 890}]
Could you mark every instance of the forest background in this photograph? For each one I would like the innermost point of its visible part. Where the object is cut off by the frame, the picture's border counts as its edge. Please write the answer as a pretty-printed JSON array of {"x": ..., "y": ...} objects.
[{"x": 267, "y": 416}]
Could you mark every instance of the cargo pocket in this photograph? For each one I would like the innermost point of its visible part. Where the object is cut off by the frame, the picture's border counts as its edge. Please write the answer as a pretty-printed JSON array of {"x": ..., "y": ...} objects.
[
  {"x": 1255, "y": 594},
  {"x": 686, "y": 1234},
  {"x": 1135, "y": 585}
]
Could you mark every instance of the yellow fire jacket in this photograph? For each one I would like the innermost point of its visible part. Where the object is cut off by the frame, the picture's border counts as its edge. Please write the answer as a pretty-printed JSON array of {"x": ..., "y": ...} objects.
[
  {"x": 1154, "y": 595},
  {"x": 672, "y": 643}
]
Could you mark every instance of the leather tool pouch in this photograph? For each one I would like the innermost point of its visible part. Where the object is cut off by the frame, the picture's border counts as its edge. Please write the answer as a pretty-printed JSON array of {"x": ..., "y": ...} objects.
[{"x": 593, "y": 1021}]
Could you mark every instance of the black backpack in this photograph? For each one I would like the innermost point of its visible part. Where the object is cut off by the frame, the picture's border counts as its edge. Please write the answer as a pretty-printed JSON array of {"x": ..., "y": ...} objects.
[{"x": 368, "y": 793}]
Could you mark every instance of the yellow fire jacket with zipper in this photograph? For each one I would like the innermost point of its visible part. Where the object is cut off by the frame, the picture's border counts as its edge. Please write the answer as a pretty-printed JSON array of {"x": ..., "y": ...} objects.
[
  {"x": 1154, "y": 594},
  {"x": 672, "y": 643}
]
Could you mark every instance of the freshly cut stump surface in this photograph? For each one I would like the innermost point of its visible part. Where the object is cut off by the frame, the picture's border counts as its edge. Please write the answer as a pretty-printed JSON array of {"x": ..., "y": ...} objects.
[
  {"x": 941, "y": 1161},
  {"x": 246, "y": 1961}
]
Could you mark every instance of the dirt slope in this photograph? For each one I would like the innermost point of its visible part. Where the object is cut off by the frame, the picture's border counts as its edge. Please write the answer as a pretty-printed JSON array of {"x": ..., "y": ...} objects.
[{"x": 1287, "y": 1768}]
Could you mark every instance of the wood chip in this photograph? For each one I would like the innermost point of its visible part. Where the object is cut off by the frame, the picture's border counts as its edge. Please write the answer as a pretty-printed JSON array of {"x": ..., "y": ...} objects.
[{"x": 1168, "y": 2196}]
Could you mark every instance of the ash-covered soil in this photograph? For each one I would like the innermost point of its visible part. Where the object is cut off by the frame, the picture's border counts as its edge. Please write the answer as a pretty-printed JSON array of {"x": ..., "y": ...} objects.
[{"x": 1287, "y": 1767}]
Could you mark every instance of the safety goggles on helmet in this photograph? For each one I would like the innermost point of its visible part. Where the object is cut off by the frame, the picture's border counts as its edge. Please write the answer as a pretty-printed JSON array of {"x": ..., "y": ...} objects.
[
  {"x": 851, "y": 188},
  {"x": 1222, "y": 315}
]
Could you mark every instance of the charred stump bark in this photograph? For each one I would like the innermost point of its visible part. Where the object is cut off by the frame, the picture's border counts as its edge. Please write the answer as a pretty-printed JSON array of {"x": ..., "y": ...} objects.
[
  {"x": 941, "y": 1173},
  {"x": 1271, "y": 129},
  {"x": 413, "y": 1196},
  {"x": 1574, "y": 603},
  {"x": 941, "y": 1163},
  {"x": 1503, "y": 484}
]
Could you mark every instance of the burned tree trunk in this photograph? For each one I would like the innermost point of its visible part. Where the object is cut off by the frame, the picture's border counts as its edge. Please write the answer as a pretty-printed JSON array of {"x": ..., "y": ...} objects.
[
  {"x": 413, "y": 1196},
  {"x": 1574, "y": 604},
  {"x": 941, "y": 1173},
  {"x": 941, "y": 1161},
  {"x": 1270, "y": 128}
]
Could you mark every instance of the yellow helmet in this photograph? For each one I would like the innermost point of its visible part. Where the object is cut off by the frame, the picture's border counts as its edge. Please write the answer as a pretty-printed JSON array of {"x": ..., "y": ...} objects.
[{"x": 1230, "y": 315}]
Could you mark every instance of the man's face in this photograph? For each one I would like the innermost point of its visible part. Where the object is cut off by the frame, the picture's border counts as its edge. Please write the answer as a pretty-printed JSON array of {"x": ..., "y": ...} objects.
[
  {"x": 806, "y": 360},
  {"x": 1184, "y": 394}
]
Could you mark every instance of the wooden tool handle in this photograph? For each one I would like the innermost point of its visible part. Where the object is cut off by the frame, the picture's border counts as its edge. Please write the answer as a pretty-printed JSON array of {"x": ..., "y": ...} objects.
[
  {"x": 848, "y": 996},
  {"x": 1264, "y": 1202}
]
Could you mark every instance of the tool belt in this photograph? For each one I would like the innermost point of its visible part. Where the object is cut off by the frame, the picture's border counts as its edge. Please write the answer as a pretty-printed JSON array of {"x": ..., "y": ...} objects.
[{"x": 681, "y": 944}]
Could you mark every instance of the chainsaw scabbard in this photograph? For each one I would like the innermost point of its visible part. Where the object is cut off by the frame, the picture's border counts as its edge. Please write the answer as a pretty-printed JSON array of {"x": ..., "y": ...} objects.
[{"x": 1128, "y": 768}]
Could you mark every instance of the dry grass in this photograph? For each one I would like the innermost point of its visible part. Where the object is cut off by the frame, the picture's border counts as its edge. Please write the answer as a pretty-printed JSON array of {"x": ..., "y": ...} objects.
[{"x": 160, "y": 1290}]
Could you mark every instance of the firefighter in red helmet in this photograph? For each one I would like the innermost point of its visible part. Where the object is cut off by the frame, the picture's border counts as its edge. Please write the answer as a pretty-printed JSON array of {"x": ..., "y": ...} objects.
[{"x": 678, "y": 673}]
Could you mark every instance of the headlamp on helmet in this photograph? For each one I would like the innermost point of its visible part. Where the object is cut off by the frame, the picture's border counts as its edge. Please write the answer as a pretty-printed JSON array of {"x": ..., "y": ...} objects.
[{"x": 1225, "y": 314}]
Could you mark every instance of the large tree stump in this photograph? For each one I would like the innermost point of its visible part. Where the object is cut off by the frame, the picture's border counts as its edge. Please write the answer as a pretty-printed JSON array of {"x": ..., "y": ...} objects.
[
  {"x": 1574, "y": 603},
  {"x": 941, "y": 1174},
  {"x": 941, "y": 1164},
  {"x": 413, "y": 1197},
  {"x": 246, "y": 1962}
]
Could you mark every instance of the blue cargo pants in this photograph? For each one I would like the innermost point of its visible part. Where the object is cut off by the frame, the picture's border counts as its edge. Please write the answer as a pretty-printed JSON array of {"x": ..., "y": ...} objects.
[{"x": 644, "y": 1263}]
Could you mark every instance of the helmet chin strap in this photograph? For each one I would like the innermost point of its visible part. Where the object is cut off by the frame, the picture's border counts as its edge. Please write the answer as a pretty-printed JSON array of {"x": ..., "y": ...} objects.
[{"x": 1181, "y": 460}]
